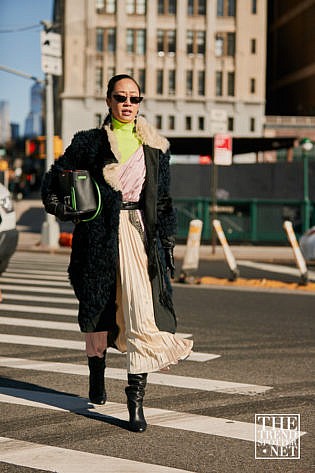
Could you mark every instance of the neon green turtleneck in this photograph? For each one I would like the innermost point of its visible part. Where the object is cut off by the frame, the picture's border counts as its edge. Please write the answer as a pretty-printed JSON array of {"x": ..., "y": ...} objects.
[{"x": 128, "y": 143}]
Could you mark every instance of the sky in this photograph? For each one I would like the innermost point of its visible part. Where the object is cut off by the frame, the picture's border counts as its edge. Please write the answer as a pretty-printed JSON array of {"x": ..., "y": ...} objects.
[{"x": 20, "y": 50}]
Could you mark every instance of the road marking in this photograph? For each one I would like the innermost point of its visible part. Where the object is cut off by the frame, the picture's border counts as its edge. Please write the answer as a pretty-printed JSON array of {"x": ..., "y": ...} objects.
[
  {"x": 45, "y": 324},
  {"x": 52, "y": 276},
  {"x": 49, "y": 324},
  {"x": 186, "y": 382},
  {"x": 37, "y": 272},
  {"x": 158, "y": 417},
  {"x": 37, "y": 309},
  {"x": 64, "y": 460},
  {"x": 45, "y": 290},
  {"x": 36, "y": 282},
  {"x": 80, "y": 345},
  {"x": 276, "y": 268},
  {"x": 59, "y": 300}
]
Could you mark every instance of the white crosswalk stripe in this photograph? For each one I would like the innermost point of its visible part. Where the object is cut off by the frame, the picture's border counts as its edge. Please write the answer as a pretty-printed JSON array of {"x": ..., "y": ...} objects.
[
  {"x": 64, "y": 460},
  {"x": 185, "y": 382},
  {"x": 159, "y": 417},
  {"x": 31, "y": 286}
]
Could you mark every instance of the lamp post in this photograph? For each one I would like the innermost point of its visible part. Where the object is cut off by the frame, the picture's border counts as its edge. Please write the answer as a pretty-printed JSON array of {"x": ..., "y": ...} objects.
[{"x": 307, "y": 146}]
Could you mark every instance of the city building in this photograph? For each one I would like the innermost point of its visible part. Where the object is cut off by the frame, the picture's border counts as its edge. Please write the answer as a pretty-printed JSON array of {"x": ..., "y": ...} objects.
[
  {"x": 34, "y": 120},
  {"x": 5, "y": 130},
  {"x": 201, "y": 63},
  {"x": 290, "y": 89},
  {"x": 15, "y": 131},
  {"x": 291, "y": 58}
]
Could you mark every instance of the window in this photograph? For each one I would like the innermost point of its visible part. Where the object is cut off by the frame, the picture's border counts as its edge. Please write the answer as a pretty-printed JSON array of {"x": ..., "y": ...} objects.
[
  {"x": 136, "y": 41},
  {"x": 136, "y": 7},
  {"x": 98, "y": 120},
  {"x": 201, "y": 123},
  {"x": 226, "y": 7},
  {"x": 219, "y": 45},
  {"x": 141, "y": 79},
  {"x": 189, "y": 82},
  {"x": 196, "y": 7},
  {"x": 231, "y": 44},
  {"x": 219, "y": 83},
  {"x": 171, "y": 7},
  {"x": 220, "y": 7},
  {"x": 201, "y": 42},
  {"x": 99, "y": 39},
  {"x": 99, "y": 78},
  {"x": 195, "y": 42},
  {"x": 254, "y": 7},
  {"x": 158, "y": 122},
  {"x": 231, "y": 7},
  {"x": 230, "y": 124},
  {"x": 231, "y": 83},
  {"x": 171, "y": 82},
  {"x": 190, "y": 42},
  {"x": 166, "y": 42},
  {"x": 201, "y": 82},
  {"x": 111, "y": 72},
  {"x": 171, "y": 122},
  {"x": 252, "y": 124},
  {"x": 110, "y": 39},
  {"x": 140, "y": 42},
  {"x": 252, "y": 85},
  {"x": 171, "y": 41},
  {"x": 159, "y": 81},
  {"x": 253, "y": 46},
  {"x": 188, "y": 123},
  {"x": 106, "y": 6},
  {"x": 225, "y": 44},
  {"x": 166, "y": 6}
]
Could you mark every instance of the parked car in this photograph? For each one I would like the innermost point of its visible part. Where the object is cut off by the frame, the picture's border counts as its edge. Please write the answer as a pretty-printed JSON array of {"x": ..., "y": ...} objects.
[{"x": 8, "y": 231}]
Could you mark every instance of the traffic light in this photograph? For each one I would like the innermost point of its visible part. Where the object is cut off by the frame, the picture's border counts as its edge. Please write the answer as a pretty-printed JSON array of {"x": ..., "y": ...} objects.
[
  {"x": 36, "y": 147},
  {"x": 31, "y": 147}
]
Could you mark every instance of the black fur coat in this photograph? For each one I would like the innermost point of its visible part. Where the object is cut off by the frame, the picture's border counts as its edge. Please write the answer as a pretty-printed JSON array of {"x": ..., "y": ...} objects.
[{"x": 94, "y": 256}]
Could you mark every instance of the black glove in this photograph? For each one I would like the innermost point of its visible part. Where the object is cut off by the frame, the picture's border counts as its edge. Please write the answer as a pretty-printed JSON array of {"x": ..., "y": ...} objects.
[
  {"x": 64, "y": 212},
  {"x": 168, "y": 245}
]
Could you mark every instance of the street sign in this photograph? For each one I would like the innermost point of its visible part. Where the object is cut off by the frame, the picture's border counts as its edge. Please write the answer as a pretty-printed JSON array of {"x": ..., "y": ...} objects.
[
  {"x": 223, "y": 149},
  {"x": 50, "y": 43},
  {"x": 52, "y": 65},
  {"x": 51, "y": 53}
]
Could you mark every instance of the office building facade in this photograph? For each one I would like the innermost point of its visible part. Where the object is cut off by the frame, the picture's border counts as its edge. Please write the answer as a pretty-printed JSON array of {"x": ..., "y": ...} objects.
[{"x": 201, "y": 63}]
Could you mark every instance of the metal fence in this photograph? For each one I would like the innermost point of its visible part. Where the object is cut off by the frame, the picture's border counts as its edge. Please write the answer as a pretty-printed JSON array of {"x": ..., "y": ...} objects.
[{"x": 254, "y": 221}]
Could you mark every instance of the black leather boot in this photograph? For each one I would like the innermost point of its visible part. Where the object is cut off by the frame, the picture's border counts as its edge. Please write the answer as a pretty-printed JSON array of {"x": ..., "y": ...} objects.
[
  {"x": 97, "y": 393},
  {"x": 135, "y": 393}
]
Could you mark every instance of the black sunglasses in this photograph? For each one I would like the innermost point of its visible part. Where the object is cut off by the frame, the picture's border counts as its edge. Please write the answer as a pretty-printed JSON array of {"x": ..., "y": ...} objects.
[{"x": 133, "y": 99}]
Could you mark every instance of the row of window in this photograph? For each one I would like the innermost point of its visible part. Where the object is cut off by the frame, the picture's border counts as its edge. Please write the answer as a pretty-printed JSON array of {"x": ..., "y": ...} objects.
[
  {"x": 166, "y": 42},
  {"x": 166, "y": 81},
  {"x": 169, "y": 123},
  {"x": 169, "y": 7}
]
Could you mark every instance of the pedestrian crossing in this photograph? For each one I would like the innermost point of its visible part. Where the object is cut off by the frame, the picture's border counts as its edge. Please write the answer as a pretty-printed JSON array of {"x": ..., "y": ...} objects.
[{"x": 37, "y": 297}]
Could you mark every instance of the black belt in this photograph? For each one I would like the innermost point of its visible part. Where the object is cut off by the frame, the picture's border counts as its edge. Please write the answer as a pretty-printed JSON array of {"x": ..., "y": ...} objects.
[{"x": 130, "y": 205}]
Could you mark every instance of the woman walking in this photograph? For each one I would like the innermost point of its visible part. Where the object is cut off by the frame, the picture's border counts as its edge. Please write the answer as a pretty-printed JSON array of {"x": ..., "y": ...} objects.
[{"x": 120, "y": 260}]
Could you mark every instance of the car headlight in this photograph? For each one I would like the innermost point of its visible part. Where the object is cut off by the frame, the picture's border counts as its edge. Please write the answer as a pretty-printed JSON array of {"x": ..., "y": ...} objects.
[{"x": 7, "y": 204}]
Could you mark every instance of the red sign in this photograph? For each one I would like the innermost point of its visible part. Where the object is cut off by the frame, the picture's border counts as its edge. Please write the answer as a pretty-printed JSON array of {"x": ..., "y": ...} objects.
[{"x": 223, "y": 149}]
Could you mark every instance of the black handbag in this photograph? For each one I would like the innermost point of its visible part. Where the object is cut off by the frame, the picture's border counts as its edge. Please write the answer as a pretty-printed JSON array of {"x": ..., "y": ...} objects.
[{"x": 81, "y": 192}]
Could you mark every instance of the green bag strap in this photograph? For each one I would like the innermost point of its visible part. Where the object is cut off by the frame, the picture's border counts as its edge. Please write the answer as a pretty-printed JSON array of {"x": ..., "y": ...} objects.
[{"x": 99, "y": 204}]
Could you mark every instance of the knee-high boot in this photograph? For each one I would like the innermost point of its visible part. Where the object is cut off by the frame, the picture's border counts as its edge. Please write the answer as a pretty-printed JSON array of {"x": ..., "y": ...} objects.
[
  {"x": 135, "y": 393},
  {"x": 97, "y": 393}
]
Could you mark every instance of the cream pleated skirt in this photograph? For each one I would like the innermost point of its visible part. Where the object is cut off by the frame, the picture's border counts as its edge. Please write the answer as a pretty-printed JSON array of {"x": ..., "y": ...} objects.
[{"x": 148, "y": 349}]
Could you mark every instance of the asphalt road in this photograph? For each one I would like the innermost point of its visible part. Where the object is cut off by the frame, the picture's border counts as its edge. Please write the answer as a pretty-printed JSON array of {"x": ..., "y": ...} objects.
[{"x": 258, "y": 345}]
